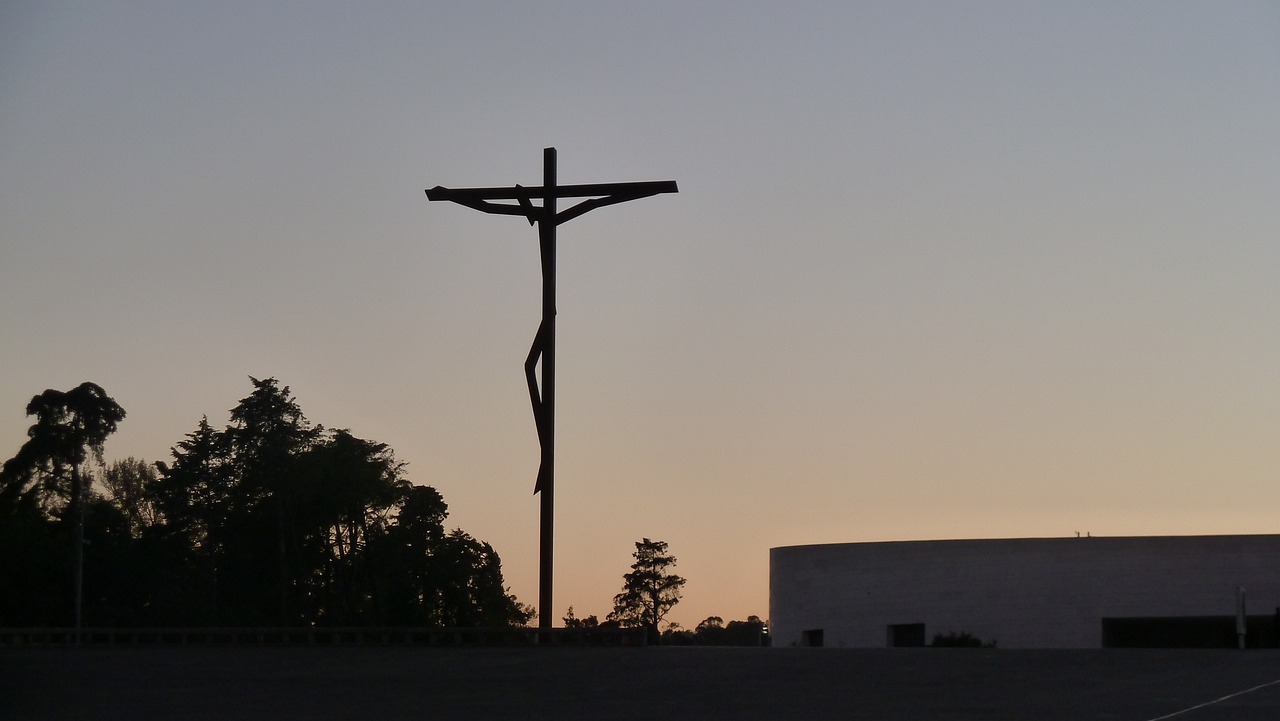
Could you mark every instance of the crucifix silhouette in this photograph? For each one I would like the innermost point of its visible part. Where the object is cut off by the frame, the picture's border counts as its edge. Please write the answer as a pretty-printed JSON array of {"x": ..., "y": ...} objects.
[{"x": 544, "y": 342}]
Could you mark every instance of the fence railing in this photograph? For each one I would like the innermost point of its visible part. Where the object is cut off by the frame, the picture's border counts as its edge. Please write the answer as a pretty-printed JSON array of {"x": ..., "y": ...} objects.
[{"x": 321, "y": 636}]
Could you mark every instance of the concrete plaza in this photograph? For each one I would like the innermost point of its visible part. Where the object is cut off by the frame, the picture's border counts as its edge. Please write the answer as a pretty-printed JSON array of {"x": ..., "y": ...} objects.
[{"x": 377, "y": 683}]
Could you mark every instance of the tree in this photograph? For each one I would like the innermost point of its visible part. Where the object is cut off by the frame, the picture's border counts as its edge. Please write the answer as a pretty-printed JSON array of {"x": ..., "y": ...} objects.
[
  {"x": 650, "y": 590},
  {"x": 352, "y": 486},
  {"x": 267, "y": 431},
  {"x": 574, "y": 623},
  {"x": 70, "y": 426},
  {"x": 267, "y": 434},
  {"x": 426, "y": 577},
  {"x": 751, "y": 632},
  {"x": 714, "y": 631},
  {"x": 193, "y": 495},
  {"x": 271, "y": 521},
  {"x": 128, "y": 485},
  {"x": 710, "y": 631},
  {"x": 471, "y": 588},
  {"x": 45, "y": 477}
]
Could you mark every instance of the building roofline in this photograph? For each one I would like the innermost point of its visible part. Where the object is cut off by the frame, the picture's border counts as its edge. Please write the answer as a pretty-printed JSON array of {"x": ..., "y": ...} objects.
[{"x": 1031, "y": 539}]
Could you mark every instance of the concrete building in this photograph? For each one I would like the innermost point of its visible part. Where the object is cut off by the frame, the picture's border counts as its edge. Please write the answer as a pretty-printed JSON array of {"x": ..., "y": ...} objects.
[{"x": 1027, "y": 593}]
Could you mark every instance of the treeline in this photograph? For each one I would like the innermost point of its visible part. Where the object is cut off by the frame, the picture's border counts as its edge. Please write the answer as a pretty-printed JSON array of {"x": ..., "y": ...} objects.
[
  {"x": 271, "y": 521},
  {"x": 712, "y": 631}
]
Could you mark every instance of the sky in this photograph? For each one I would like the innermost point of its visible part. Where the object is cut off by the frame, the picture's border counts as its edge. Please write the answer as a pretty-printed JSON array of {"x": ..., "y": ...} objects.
[{"x": 935, "y": 270}]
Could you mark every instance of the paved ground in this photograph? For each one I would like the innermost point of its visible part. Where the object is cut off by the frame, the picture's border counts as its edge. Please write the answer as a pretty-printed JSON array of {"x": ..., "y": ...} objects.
[{"x": 639, "y": 683}]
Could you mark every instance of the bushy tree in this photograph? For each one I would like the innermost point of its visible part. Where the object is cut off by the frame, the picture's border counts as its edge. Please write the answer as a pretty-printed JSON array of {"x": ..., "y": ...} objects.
[
  {"x": 127, "y": 483},
  {"x": 713, "y": 631},
  {"x": 574, "y": 623},
  {"x": 270, "y": 521},
  {"x": 195, "y": 498},
  {"x": 710, "y": 631},
  {"x": 71, "y": 426},
  {"x": 267, "y": 433},
  {"x": 46, "y": 481},
  {"x": 963, "y": 639},
  {"x": 352, "y": 488},
  {"x": 432, "y": 578},
  {"x": 650, "y": 590},
  {"x": 751, "y": 632}
]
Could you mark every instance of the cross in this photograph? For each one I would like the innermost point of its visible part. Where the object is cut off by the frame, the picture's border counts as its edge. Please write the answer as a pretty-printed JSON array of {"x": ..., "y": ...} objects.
[{"x": 544, "y": 342}]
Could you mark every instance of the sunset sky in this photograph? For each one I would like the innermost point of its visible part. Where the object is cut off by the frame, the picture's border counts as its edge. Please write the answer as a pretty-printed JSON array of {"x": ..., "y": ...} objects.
[{"x": 935, "y": 269}]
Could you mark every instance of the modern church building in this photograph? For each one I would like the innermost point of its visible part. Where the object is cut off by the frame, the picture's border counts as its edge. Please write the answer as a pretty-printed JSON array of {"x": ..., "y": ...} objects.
[{"x": 1164, "y": 591}]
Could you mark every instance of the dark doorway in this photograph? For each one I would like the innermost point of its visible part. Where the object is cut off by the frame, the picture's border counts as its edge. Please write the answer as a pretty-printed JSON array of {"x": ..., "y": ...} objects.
[
  {"x": 1187, "y": 632},
  {"x": 812, "y": 637},
  {"x": 906, "y": 635}
]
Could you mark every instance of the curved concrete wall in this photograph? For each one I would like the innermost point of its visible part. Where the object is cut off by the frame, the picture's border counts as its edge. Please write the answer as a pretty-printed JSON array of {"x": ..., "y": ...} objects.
[{"x": 1021, "y": 593}]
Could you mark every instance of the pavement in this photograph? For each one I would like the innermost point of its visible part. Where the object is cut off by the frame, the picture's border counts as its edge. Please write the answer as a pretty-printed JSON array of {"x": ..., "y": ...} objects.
[{"x": 652, "y": 683}]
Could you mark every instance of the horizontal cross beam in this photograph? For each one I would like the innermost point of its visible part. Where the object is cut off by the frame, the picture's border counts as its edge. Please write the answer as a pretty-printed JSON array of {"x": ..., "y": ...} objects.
[{"x": 634, "y": 190}]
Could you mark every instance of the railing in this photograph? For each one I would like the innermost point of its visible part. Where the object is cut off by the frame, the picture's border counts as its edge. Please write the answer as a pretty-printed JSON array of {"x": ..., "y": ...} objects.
[{"x": 321, "y": 636}]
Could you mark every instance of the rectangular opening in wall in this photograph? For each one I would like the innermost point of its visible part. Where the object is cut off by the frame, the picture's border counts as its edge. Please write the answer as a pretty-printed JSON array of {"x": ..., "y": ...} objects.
[
  {"x": 906, "y": 635},
  {"x": 1188, "y": 632},
  {"x": 812, "y": 637}
]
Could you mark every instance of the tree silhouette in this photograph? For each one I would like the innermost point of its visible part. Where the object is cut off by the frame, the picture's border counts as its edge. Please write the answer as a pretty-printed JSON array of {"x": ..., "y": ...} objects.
[
  {"x": 574, "y": 623},
  {"x": 127, "y": 483},
  {"x": 267, "y": 433},
  {"x": 650, "y": 590},
  {"x": 272, "y": 521},
  {"x": 45, "y": 478},
  {"x": 193, "y": 495},
  {"x": 70, "y": 426},
  {"x": 351, "y": 488}
]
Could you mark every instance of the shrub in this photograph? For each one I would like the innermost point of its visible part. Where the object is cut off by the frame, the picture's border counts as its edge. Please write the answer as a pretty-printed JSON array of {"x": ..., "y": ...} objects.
[{"x": 964, "y": 639}]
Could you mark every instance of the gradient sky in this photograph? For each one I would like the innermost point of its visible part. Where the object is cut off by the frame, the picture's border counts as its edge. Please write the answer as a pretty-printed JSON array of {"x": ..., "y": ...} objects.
[{"x": 935, "y": 270}]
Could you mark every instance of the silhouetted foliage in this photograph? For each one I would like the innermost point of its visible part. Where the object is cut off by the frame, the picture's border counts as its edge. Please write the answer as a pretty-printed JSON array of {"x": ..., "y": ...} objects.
[
  {"x": 70, "y": 428},
  {"x": 713, "y": 631},
  {"x": 579, "y": 624},
  {"x": 963, "y": 639},
  {"x": 43, "y": 503},
  {"x": 271, "y": 521},
  {"x": 650, "y": 590},
  {"x": 127, "y": 484}
]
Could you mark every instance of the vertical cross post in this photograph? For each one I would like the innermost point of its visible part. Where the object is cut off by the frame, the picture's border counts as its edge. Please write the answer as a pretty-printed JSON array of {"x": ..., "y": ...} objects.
[
  {"x": 543, "y": 396},
  {"x": 546, "y": 483}
]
